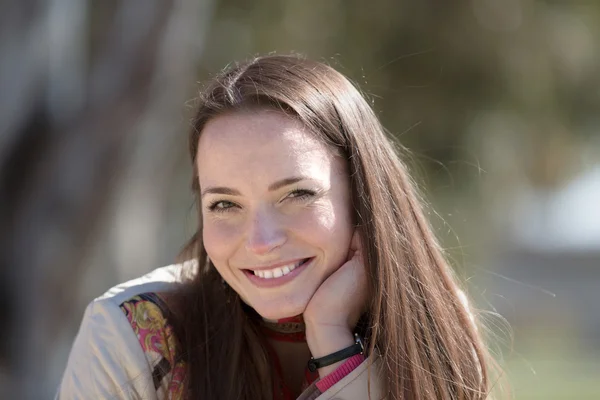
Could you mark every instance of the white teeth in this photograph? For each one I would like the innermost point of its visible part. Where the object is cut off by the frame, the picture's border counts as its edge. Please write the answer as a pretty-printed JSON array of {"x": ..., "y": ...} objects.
[{"x": 277, "y": 272}]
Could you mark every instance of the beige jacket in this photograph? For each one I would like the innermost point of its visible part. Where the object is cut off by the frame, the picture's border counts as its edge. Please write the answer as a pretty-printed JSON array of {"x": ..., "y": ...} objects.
[{"x": 108, "y": 362}]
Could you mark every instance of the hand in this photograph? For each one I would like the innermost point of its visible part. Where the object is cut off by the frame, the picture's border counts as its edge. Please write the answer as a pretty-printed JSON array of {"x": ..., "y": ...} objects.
[
  {"x": 342, "y": 298},
  {"x": 333, "y": 311}
]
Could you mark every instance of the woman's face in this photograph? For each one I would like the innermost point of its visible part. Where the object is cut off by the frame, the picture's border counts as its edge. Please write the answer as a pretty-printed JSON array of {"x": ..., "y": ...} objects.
[{"x": 276, "y": 209}]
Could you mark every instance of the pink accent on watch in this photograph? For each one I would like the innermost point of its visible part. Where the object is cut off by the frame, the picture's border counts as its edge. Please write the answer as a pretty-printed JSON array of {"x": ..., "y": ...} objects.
[{"x": 340, "y": 372}]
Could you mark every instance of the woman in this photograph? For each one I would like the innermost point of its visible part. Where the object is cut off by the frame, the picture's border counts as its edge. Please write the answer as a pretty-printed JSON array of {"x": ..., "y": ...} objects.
[{"x": 311, "y": 241}]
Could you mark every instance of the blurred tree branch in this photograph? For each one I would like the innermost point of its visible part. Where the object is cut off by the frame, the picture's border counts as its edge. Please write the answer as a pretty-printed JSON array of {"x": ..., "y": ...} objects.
[{"x": 82, "y": 83}]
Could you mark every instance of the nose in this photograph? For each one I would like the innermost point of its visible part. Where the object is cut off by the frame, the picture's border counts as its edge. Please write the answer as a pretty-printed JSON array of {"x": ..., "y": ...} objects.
[{"x": 265, "y": 234}]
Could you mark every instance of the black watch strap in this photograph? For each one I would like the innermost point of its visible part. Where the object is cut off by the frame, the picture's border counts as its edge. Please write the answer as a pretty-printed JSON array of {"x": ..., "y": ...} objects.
[{"x": 357, "y": 348}]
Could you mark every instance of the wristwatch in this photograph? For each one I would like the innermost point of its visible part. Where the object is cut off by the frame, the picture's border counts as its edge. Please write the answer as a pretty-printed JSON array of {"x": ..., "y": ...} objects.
[{"x": 357, "y": 348}]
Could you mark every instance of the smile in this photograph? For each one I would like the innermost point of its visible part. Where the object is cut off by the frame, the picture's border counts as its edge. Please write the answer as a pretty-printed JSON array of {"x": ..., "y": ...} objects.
[
  {"x": 277, "y": 276},
  {"x": 279, "y": 271}
]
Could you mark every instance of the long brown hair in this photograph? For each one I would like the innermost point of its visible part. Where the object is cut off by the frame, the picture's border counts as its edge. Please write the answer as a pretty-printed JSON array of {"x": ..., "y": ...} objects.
[{"x": 417, "y": 321}]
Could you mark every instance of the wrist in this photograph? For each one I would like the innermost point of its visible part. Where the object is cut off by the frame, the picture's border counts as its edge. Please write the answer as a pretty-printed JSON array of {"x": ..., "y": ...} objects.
[{"x": 323, "y": 340}]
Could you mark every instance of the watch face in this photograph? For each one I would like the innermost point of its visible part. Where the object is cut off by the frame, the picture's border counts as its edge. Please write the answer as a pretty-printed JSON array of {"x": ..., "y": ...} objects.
[{"x": 358, "y": 340}]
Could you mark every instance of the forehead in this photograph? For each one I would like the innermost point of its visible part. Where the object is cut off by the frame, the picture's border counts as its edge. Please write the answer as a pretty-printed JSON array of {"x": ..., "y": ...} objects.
[{"x": 260, "y": 145}]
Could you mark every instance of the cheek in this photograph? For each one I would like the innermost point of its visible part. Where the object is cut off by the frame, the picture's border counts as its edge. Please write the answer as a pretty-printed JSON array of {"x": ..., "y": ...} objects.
[
  {"x": 318, "y": 220},
  {"x": 328, "y": 228},
  {"x": 219, "y": 239}
]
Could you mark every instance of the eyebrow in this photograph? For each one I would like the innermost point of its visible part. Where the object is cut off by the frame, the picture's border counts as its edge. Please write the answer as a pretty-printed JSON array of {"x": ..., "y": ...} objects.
[{"x": 234, "y": 192}]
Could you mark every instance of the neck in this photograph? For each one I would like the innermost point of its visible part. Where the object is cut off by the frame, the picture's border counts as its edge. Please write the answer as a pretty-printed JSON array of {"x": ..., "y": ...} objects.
[
  {"x": 286, "y": 330},
  {"x": 293, "y": 357},
  {"x": 287, "y": 338}
]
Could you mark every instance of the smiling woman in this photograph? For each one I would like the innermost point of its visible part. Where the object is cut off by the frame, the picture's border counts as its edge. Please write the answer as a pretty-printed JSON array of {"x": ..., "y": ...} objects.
[{"x": 313, "y": 273}]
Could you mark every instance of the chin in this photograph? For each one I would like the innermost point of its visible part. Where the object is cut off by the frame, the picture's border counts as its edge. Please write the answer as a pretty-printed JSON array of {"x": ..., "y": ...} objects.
[{"x": 284, "y": 311}]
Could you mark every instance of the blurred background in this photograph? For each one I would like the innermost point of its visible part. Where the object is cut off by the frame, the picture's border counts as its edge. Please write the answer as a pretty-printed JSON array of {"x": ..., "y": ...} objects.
[{"x": 498, "y": 102}]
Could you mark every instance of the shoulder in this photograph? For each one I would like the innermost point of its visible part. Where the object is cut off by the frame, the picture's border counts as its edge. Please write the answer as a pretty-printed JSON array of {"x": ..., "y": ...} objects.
[
  {"x": 133, "y": 303},
  {"x": 142, "y": 303},
  {"x": 160, "y": 280},
  {"x": 119, "y": 303},
  {"x": 123, "y": 337}
]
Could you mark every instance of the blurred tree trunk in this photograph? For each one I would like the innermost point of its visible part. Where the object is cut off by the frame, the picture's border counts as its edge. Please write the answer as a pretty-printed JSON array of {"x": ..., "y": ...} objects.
[{"x": 91, "y": 93}]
